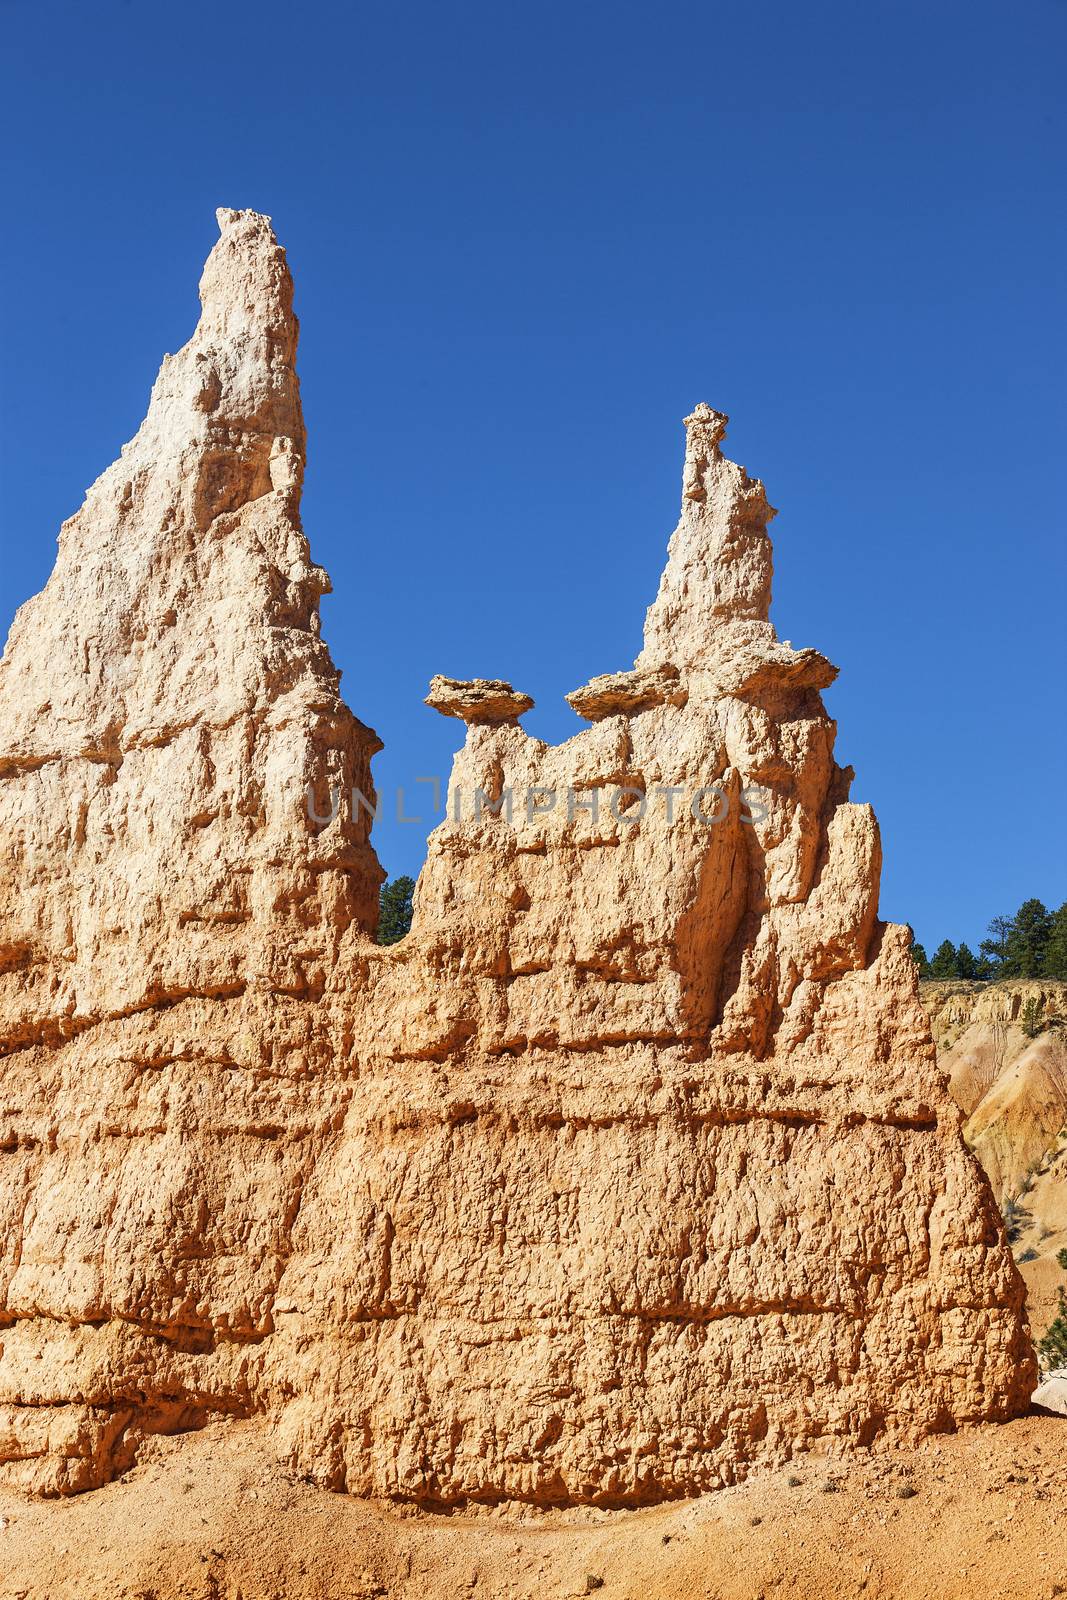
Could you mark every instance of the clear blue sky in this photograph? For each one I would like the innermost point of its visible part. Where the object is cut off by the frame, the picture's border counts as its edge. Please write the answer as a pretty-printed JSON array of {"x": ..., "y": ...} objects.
[{"x": 526, "y": 240}]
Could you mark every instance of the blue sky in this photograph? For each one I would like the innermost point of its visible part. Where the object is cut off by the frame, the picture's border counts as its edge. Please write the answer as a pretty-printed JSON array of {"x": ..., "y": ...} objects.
[{"x": 526, "y": 241}]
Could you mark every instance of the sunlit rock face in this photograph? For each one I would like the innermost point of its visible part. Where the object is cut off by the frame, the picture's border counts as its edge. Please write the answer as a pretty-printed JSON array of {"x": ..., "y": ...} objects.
[{"x": 628, "y": 1168}]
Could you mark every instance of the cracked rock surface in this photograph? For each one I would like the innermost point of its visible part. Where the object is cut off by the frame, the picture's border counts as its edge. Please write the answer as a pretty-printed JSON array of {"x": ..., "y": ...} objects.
[{"x": 629, "y": 1168}]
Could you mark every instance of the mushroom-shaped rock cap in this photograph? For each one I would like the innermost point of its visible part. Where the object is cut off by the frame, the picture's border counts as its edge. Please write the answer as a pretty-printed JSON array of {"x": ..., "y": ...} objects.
[
  {"x": 477, "y": 699},
  {"x": 624, "y": 694}
]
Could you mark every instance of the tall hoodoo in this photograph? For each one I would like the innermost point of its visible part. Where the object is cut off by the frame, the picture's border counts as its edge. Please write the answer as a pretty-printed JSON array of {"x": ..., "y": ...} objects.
[
  {"x": 171, "y": 911},
  {"x": 629, "y": 1167}
]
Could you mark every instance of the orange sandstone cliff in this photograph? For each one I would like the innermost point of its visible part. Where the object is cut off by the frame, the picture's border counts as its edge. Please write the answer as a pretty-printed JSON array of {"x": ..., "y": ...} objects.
[{"x": 629, "y": 1168}]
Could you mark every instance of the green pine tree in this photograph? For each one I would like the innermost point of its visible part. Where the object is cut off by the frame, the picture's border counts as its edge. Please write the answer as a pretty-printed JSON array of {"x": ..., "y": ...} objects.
[
  {"x": 920, "y": 958},
  {"x": 1055, "y": 963},
  {"x": 1028, "y": 939},
  {"x": 395, "y": 909},
  {"x": 966, "y": 963},
  {"x": 944, "y": 963},
  {"x": 995, "y": 948}
]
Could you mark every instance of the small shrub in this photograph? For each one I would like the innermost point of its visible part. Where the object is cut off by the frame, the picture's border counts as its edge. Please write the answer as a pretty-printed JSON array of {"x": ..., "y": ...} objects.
[
  {"x": 1028, "y": 1255},
  {"x": 1031, "y": 1020},
  {"x": 1015, "y": 1219},
  {"x": 1061, "y": 1257}
]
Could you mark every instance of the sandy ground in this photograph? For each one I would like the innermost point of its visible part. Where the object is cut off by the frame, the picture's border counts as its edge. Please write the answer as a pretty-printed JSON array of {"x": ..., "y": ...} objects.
[{"x": 212, "y": 1517}]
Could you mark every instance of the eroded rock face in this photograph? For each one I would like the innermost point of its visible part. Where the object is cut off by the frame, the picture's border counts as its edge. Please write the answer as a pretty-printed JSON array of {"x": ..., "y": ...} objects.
[{"x": 629, "y": 1167}]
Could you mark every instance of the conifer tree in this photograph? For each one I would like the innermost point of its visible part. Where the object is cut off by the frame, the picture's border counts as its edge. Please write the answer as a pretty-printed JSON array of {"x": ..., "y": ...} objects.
[
  {"x": 394, "y": 909},
  {"x": 995, "y": 947},
  {"x": 966, "y": 963},
  {"x": 1030, "y": 930},
  {"x": 1055, "y": 962},
  {"x": 943, "y": 964}
]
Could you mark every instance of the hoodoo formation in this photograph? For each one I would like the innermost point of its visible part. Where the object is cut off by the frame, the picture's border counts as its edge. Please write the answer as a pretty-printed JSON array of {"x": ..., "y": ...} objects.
[{"x": 629, "y": 1168}]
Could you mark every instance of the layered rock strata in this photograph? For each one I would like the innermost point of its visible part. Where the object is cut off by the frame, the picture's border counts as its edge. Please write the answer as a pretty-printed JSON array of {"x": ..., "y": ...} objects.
[{"x": 630, "y": 1167}]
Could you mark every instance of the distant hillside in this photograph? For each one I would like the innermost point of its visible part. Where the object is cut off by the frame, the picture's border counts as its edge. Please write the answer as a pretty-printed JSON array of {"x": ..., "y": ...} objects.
[{"x": 1004, "y": 1047}]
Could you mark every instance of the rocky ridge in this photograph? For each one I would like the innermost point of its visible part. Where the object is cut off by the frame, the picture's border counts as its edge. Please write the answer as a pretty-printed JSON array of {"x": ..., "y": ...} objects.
[{"x": 629, "y": 1168}]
